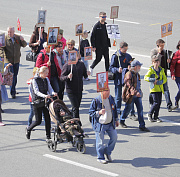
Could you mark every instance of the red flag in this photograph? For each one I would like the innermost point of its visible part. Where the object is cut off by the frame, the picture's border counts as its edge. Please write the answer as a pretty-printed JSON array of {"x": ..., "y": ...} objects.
[{"x": 18, "y": 25}]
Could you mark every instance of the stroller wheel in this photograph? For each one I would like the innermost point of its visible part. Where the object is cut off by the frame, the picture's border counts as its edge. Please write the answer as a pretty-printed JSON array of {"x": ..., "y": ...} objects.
[
  {"x": 52, "y": 146},
  {"x": 81, "y": 148}
]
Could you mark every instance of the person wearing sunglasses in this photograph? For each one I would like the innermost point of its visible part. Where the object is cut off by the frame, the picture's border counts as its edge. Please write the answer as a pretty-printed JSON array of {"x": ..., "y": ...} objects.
[
  {"x": 100, "y": 42},
  {"x": 70, "y": 46}
]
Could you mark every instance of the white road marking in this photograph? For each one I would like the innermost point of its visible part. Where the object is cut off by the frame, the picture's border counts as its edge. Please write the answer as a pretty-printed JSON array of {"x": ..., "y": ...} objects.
[
  {"x": 80, "y": 165},
  {"x": 123, "y": 21},
  {"x": 172, "y": 122}
]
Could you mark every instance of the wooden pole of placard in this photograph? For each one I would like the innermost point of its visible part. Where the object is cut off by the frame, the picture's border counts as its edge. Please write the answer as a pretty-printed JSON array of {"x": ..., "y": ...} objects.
[
  {"x": 167, "y": 47},
  {"x": 79, "y": 43},
  {"x": 102, "y": 100},
  {"x": 71, "y": 71}
]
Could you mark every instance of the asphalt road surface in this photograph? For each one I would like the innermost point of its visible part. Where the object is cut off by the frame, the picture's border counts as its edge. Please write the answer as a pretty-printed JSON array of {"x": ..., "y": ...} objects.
[{"x": 153, "y": 154}]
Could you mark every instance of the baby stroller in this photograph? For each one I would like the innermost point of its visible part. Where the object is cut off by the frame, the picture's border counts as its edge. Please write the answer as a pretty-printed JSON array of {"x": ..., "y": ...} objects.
[{"x": 67, "y": 129}]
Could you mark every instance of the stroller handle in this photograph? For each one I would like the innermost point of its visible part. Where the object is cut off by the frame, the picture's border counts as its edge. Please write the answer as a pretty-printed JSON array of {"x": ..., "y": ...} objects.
[{"x": 51, "y": 97}]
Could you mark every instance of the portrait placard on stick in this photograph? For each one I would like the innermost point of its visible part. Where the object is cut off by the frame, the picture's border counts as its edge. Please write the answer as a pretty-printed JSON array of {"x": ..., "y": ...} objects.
[
  {"x": 2, "y": 40},
  {"x": 53, "y": 35},
  {"x": 102, "y": 81},
  {"x": 114, "y": 12},
  {"x": 113, "y": 31},
  {"x": 166, "y": 29},
  {"x": 87, "y": 53},
  {"x": 41, "y": 18},
  {"x": 72, "y": 57},
  {"x": 79, "y": 29}
]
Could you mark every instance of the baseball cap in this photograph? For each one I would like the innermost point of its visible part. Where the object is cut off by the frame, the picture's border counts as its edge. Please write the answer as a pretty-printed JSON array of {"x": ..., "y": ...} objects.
[{"x": 136, "y": 63}]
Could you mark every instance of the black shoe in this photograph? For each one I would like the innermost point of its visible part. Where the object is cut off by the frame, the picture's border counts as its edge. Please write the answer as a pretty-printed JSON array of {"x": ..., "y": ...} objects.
[
  {"x": 123, "y": 125},
  {"x": 2, "y": 111},
  {"x": 28, "y": 133},
  {"x": 144, "y": 129},
  {"x": 176, "y": 104},
  {"x": 13, "y": 96}
]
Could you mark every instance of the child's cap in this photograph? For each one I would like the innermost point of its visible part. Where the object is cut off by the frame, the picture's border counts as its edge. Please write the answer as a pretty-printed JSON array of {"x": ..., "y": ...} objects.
[
  {"x": 154, "y": 58},
  {"x": 86, "y": 31},
  {"x": 60, "y": 31}
]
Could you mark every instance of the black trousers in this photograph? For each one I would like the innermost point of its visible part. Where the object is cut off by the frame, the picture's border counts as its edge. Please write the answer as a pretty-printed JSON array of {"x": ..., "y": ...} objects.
[
  {"x": 61, "y": 89},
  {"x": 156, "y": 98},
  {"x": 38, "y": 117},
  {"x": 75, "y": 99},
  {"x": 99, "y": 53}
]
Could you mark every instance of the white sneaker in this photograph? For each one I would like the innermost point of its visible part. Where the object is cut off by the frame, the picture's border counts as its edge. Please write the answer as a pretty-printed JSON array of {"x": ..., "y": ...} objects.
[
  {"x": 2, "y": 124},
  {"x": 91, "y": 71},
  {"x": 102, "y": 161}
]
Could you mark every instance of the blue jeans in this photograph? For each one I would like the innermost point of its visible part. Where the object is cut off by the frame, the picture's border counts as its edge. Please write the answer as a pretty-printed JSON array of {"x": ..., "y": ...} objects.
[
  {"x": 30, "y": 115},
  {"x": 138, "y": 102},
  {"x": 157, "y": 97},
  {"x": 14, "y": 69},
  {"x": 178, "y": 84},
  {"x": 118, "y": 97},
  {"x": 85, "y": 62},
  {"x": 100, "y": 149},
  {"x": 167, "y": 95},
  {"x": 54, "y": 81},
  {"x": 132, "y": 112}
]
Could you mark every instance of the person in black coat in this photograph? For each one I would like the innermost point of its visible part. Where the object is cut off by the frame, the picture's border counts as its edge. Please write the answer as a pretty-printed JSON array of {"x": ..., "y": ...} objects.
[
  {"x": 100, "y": 42},
  {"x": 74, "y": 84}
]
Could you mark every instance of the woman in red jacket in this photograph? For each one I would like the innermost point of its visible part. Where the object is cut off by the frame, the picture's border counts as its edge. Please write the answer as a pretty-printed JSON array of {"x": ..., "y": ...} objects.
[
  {"x": 45, "y": 58},
  {"x": 175, "y": 72}
]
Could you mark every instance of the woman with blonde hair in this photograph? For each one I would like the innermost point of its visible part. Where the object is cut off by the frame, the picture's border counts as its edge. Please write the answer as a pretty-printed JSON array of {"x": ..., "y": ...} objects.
[{"x": 39, "y": 90}]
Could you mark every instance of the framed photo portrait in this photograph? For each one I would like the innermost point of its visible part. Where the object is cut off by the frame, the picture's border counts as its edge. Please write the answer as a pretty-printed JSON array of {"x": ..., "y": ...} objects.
[
  {"x": 113, "y": 31},
  {"x": 166, "y": 29},
  {"x": 41, "y": 18},
  {"x": 53, "y": 35},
  {"x": 102, "y": 81},
  {"x": 72, "y": 57},
  {"x": 79, "y": 29},
  {"x": 87, "y": 53},
  {"x": 2, "y": 40},
  {"x": 114, "y": 12}
]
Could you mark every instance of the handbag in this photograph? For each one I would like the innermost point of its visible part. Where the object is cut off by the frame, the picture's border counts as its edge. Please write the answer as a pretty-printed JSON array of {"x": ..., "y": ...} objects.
[
  {"x": 31, "y": 56},
  {"x": 39, "y": 102},
  {"x": 8, "y": 78},
  {"x": 111, "y": 75}
]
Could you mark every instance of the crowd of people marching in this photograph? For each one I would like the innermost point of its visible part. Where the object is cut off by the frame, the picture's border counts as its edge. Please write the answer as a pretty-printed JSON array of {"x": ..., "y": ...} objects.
[{"x": 52, "y": 74}]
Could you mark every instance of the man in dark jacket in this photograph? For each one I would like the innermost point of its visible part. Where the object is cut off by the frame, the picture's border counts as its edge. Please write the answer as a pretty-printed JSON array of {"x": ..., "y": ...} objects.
[
  {"x": 74, "y": 84},
  {"x": 119, "y": 61},
  {"x": 100, "y": 42}
]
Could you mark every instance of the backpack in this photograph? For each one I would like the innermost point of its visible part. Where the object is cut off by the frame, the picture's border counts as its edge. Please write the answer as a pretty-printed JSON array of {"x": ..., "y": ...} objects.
[{"x": 111, "y": 75}]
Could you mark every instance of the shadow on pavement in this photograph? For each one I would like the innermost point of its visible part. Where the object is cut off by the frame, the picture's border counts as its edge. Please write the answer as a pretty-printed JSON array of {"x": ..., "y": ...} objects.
[{"x": 150, "y": 162}]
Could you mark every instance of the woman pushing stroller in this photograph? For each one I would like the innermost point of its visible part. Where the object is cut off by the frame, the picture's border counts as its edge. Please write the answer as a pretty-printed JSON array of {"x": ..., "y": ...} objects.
[{"x": 40, "y": 89}]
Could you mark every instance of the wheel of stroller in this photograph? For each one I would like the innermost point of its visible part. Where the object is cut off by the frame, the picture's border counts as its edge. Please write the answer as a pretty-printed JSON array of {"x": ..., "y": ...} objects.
[
  {"x": 81, "y": 148},
  {"x": 52, "y": 146}
]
